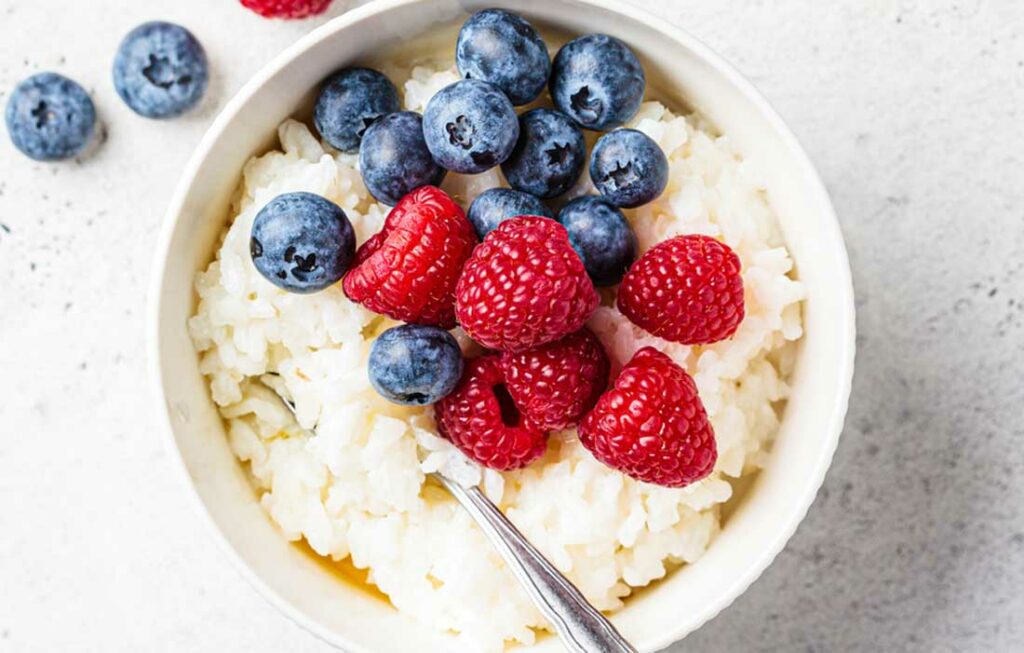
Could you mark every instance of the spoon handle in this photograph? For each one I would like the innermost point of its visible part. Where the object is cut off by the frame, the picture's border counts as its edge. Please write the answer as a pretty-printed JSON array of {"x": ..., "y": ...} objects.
[{"x": 582, "y": 628}]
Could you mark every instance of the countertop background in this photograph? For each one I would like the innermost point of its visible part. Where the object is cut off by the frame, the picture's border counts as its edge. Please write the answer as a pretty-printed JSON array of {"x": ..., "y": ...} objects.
[{"x": 914, "y": 113}]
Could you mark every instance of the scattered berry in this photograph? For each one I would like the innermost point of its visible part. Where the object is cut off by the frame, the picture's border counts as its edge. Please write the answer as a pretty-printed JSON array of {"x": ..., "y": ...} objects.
[
  {"x": 302, "y": 242},
  {"x": 50, "y": 117},
  {"x": 470, "y": 126},
  {"x": 494, "y": 206},
  {"x": 555, "y": 384},
  {"x": 597, "y": 81},
  {"x": 481, "y": 419},
  {"x": 502, "y": 48},
  {"x": 601, "y": 236},
  {"x": 687, "y": 289},
  {"x": 160, "y": 70},
  {"x": 394, "y": 159},
  {"x": 287, "y": 8},
  {"x": 349, "y": 102},
  {"x": 549, "y": 155},
  {"x": 628, "y": 168},
  {"x": 415, "y": 365},
  {"x": 652, "y": 425},
  {"x": 524, "y": 286},
  {"x": 408, "y": 270}
]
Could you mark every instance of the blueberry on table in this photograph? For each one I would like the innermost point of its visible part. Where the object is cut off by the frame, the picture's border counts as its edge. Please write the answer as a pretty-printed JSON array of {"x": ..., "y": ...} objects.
[
  {"x": 549, "y": 155},
  {"x": 502, "y": 48},
  {"x": 601, "y": 236},
  {"x": 415, "y": 365},
  {"x": 394, "y": 159},
  {"x": 302, "y": 242},
  {"x": 160, "y": 70},
  {"x": 628, "y": 168},
  {"x": 470, "y": 126},
  {"x": 50, "y": 117},
  {"x": 494, "y": 206},
  {"x": 597, "y": 81},
  {"x": 350, "y": 101}
]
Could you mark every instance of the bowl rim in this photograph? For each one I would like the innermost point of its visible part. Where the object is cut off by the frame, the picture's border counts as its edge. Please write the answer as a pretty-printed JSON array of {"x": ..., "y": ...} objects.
[{"x": 846, "y": 317}]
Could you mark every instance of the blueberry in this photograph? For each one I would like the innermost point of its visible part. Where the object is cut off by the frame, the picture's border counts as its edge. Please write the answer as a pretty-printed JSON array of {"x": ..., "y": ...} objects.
[
  {"x": 470, "y": 126},
  {"x": 494, "y": 206},
  {"x": 349, "y": 102},
  {"x": 597, "y": 81},
  {"x": 302, "y": 242},
  {"x": 549, "y": 155},
  {"x": 601, "y": 236},
  {"x": 160, "y": 70},
  {"x": 394, "y": 158},
  {"x": 502, "y": 48},
  {"x": 415, "y": 365},
  {"x": 49, "y": 117},
  {"x": 628, "y": 168}
]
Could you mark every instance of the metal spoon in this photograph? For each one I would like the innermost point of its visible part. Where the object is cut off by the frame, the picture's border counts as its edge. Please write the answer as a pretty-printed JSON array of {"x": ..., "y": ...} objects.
[{"x": 581, "y": 627}]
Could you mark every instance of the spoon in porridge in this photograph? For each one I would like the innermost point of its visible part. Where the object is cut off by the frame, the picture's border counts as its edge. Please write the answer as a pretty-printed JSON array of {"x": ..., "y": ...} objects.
[{"x": 581, "y": 627}]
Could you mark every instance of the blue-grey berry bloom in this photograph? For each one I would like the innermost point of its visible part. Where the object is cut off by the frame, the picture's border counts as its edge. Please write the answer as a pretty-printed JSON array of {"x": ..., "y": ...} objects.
[
  {"x": 50, "y": 117},
  {"x": 160, "y": 70}
]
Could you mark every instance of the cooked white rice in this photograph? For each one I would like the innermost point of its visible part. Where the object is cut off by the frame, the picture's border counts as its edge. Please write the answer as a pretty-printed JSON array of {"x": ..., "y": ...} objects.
[{"x": 358, "y": 486}]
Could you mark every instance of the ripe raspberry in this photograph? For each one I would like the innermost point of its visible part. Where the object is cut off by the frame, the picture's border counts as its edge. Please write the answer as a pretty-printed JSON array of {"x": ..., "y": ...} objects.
[
  {"x": 408, "y": 270},
  {"x": 557, "y": 383},
  {"x": 524, "y": 286},
  {"x": 287, "y": 8},
  {"x": 480, "y": 418},
  {"x": 651, "y": 425},
  {"x": 687, "y": 289}
]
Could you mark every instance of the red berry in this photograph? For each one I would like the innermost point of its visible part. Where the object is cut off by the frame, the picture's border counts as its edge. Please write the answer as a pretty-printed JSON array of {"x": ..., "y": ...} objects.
[
  {"x": 687, "y": 289},
  {"x": 652, "y": 425},
  {"x": 408, "y": 270},
  {"x": 480, "y": 418},
  {"x": 557, "y": 383},
  {"x": 524, "y": 286},
  {"x": 287, "y": 8}
]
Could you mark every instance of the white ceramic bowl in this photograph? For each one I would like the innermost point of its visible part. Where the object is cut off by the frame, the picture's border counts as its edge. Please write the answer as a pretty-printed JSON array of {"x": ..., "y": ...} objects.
[{"x": 761, "y": 519}]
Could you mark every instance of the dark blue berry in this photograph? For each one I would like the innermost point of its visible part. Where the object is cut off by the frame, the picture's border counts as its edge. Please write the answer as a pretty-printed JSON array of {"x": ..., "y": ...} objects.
[
  {"x": 601, "y": 236},
  {"x": 502, "y": 48},
  {"x": 49, "y": 117},
  {"x": 470, "y": 126},
  {"x": 549, "y": 155},
  {"x": 597, "y": 81},
  {"x": 415, "y": 365},
  {"x": 160, "y": 70},
  {"x": 494, "y": 206},
  {"x": 302, "y": 242},
  {"x": 628, "y": 168},
  {"x": 394, "y": 159},
  {"x": 349, "y": 102}
]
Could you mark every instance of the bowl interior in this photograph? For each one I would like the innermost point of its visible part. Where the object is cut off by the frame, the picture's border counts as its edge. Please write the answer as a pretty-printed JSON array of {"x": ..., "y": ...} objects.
[{"x": 760, "y": 521}]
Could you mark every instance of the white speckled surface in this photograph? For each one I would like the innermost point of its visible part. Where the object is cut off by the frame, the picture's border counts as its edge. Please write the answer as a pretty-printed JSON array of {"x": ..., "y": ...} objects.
[{"x": 912, "y": 110}]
